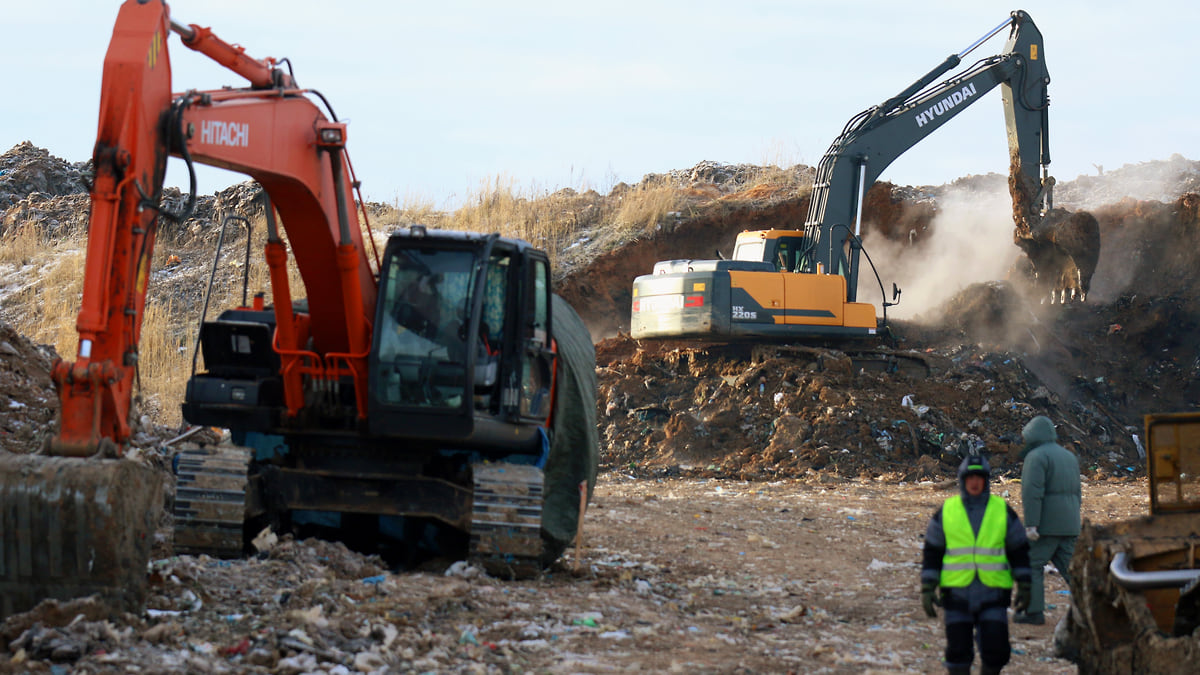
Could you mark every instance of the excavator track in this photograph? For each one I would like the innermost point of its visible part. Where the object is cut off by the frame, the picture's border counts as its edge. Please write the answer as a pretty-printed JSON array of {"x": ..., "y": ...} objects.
[
  {"x": 878, "y": 359},
  {"x": 891, "y": 361},
  {"x": 210, "y": 500},
  {"x": 506, "y": 521}
]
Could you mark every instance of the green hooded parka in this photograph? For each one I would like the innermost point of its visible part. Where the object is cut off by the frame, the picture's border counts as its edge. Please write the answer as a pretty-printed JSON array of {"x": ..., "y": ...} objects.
[{"x": 1050, "y": 489}]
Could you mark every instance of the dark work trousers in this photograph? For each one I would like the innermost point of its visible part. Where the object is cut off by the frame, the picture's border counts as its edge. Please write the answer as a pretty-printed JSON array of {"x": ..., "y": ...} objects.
[
  {"x": 1053, "y": 549},
  {"x": 988, "y": 628}
]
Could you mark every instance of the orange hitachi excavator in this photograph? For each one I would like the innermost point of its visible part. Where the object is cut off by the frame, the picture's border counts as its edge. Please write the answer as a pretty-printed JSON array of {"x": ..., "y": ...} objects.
[{"x": 442, "y": 385}]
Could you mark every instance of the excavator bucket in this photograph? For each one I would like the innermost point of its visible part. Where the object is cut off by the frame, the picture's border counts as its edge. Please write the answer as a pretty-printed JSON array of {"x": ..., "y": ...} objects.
[
  {"x": 1062, "y": 246},
  {"x": 72, "y": 527}
]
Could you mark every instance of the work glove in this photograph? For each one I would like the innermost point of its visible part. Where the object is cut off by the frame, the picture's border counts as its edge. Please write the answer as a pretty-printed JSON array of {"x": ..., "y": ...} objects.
[
  {"x": 929, "y": 598},
  {"x": 1031, "y": 534},
  {"x": 1024, "y": 595}
]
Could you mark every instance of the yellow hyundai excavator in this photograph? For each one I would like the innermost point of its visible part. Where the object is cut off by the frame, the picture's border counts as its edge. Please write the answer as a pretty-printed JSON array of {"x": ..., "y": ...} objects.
[{"x": 803, "y": 283}]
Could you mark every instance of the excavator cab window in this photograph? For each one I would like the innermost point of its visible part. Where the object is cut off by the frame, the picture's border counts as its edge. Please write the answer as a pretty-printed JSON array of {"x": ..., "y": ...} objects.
[
  {"x": 787, "y": 253},
  {"x": 423, "y": 331},
  {"x": 782, "y": 252},
  {"x": 422, "y": 336},
  {"x": 495, "y": 294},
  {"x": 492, "y": 325},
  {"x": 537, "y": 362}
]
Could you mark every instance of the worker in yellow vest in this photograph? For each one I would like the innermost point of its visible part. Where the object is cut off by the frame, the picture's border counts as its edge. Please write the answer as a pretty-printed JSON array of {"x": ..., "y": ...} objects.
[{"x": 975, "y": 549}]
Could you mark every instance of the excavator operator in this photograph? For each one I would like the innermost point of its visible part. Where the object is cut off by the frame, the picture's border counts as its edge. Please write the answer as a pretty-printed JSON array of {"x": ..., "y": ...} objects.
[{"x": 420, "y": 307}]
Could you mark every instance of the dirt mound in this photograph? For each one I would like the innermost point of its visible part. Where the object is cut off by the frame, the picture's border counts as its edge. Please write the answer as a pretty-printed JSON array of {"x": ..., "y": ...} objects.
[
  {"x": 27, "y": 169},
  {"x": 28, "y": 402},
  {"x": 718, "y": 178},
  {"x": 768, "y": 412},
  {"x": 995, "y": 359},
  {"x": 1161, "y": 181},
  {"x": 812, "y": 412},
  {"x": 982, "y": 312},
  {"x": 1150, "y": 247},
  {"x": 41, "y": 191},
  {"x": 49, "y": 194}
]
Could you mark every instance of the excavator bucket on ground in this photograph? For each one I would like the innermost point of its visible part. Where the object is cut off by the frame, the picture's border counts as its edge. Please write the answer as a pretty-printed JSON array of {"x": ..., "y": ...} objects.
[{"x": 73, "y": 527}]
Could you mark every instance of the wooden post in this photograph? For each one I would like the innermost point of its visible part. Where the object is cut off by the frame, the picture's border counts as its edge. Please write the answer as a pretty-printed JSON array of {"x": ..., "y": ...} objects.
[{"x": 583, "y": 490}]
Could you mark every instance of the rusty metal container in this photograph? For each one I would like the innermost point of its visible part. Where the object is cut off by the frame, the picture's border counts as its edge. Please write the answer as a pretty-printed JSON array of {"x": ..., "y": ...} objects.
[{"x": 1135, "y": 584}]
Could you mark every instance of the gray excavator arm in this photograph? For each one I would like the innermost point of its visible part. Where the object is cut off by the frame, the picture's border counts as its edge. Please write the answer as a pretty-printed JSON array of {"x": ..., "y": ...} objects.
[{"x": 874, "y": 138}]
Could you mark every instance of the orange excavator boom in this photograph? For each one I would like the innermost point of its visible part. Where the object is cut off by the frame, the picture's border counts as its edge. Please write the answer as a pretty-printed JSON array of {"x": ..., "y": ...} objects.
[{"x": 271, "y": 131}]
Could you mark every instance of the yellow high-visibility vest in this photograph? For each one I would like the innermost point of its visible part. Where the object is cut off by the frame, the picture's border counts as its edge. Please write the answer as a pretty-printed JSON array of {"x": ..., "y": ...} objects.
[{"x": 968, "y": 555}]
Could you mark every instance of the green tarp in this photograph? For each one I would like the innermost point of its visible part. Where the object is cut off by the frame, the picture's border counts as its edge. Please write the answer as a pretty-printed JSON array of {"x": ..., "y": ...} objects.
[{"x": 574, "y": 438}]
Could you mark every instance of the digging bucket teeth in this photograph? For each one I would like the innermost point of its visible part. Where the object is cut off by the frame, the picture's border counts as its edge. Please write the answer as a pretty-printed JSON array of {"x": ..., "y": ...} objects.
[{"x": 72, "y": 527}]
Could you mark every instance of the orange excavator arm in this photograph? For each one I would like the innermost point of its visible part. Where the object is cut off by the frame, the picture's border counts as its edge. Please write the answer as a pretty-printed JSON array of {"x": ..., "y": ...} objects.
[{"x": 270, "y": 131}]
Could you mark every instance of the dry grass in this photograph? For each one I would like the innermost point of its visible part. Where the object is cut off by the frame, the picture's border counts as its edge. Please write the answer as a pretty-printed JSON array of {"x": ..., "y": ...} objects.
[
  {"x": 498, "y": 206},
  {"x": 557, "y": 221},
  {"x": 647, "y": 205},
  {"x": 23, "y": 244},
  {"x": 49, "y": 302},
  {"x": 165, "y": 353}
]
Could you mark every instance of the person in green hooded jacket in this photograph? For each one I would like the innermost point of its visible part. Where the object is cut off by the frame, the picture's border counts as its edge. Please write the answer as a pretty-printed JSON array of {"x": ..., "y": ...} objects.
[{"x": 1051, "y": 498}]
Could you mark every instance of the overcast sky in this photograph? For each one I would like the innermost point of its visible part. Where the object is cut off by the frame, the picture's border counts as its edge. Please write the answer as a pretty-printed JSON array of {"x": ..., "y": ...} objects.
[{"x": 444, "y": 96}]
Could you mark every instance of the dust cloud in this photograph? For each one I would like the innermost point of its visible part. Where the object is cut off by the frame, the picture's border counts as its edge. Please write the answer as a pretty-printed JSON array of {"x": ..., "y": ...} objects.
[{"x": 973, "y": 244}]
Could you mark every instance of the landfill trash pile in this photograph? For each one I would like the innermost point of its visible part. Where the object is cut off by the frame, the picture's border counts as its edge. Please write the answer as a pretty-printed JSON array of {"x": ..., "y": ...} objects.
[
  {"x": 973, "y": 370},
  {"x": 761, "y": 412}
]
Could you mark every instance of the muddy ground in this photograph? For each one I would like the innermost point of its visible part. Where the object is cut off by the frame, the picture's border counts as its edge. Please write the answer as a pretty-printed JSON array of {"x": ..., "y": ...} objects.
[{"x": 760, "y": 507}]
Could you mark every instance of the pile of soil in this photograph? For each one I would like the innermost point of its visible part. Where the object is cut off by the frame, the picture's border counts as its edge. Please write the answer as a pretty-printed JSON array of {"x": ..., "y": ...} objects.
[
  {"x": 28, "y": 401},
  {"x": 767, "y": 412}
]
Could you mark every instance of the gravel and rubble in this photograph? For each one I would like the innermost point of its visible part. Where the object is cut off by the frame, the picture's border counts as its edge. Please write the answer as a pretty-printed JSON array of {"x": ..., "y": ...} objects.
[
  {"x": 29, "y": 171},
  {"x": 50, "y": 194},
  {"x": 768, "y": 411},
  {"x": 720, "y": 179},
  {"x": 674, "y": 575}
]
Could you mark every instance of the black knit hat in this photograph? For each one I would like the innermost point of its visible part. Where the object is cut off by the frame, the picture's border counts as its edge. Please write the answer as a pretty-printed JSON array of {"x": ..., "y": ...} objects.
[{"x": 975, "y": 465}]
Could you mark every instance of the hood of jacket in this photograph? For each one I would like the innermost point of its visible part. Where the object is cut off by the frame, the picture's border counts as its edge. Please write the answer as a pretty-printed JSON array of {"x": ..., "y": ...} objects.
[{"x": 1039, "y": 431}]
